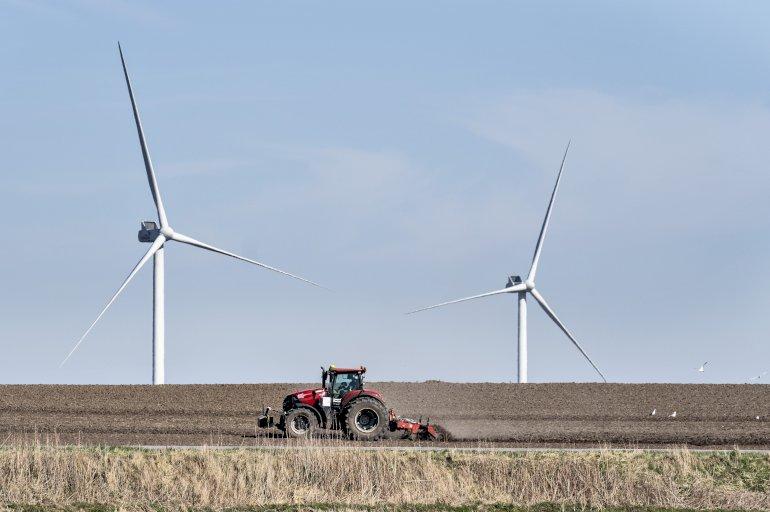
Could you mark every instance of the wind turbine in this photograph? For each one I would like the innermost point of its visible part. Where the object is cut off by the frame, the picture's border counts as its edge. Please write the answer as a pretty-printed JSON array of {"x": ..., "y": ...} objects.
[
  {"x": 157, "y": 234},
  {"x": 522, "y": 288}
]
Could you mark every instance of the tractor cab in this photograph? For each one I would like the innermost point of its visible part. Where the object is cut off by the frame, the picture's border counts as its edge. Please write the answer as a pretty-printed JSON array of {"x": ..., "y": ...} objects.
[{"x": 337, "y": 382}]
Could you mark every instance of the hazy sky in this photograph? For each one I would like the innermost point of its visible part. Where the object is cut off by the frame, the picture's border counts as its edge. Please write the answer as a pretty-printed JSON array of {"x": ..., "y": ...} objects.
[{"x": 401, "y": 156}]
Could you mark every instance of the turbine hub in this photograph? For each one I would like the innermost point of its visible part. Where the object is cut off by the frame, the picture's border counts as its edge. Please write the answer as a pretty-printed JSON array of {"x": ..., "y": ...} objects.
[
  {"x": 167, "y": 232},
  {"x": 530, "y": 284}
]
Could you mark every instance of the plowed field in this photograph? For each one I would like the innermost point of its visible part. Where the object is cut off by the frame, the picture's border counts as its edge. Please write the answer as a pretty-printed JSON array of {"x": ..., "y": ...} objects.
[{"x": 707, "y": 415}]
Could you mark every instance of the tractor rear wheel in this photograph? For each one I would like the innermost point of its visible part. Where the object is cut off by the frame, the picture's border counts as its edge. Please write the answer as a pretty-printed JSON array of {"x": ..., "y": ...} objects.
[
  {"x": 300, "y": 422},
  {"x": 366, "y": 419}
]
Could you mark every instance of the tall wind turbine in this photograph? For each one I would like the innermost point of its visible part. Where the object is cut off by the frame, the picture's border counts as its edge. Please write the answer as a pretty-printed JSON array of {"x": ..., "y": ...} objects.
[
  {"x": 157, "y": 234},
  {"x": 515, "y": 285}
]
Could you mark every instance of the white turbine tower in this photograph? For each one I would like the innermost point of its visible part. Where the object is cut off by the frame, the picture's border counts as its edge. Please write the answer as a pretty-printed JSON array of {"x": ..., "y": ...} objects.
[
  {"x": 515, "y": 285},
  {"x": 158, "y": 235}
]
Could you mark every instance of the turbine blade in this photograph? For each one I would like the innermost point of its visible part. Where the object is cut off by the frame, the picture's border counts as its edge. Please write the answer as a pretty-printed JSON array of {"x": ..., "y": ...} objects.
[
  {"x": 145, "y": 152},
  {"x": 157, "y": 244},
  {"x": 511, "y": 289},
  {"x": 546, "y": 220},
  {"x": 191, "y": 241},
  {"x": 543, "y": 304}
]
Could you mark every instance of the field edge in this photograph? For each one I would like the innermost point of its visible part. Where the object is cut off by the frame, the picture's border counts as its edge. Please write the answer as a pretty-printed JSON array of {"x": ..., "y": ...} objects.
[{"x": 332, "y": 507}]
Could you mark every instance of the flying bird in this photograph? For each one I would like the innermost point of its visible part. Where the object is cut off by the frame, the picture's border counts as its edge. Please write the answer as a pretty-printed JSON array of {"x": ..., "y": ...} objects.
[
  {"x": 758, "y": 376},
  {"x": 702, "y": 367}
]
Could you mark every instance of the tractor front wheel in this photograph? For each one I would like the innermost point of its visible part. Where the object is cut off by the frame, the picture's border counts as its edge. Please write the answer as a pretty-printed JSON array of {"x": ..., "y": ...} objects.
[
  {"x": 300, "y": 422},
  {"x": 366, "y": 419}
]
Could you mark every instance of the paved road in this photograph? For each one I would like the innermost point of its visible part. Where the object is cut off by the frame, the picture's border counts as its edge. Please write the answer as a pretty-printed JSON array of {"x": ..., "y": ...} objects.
[{"x": 439, "y": 448}]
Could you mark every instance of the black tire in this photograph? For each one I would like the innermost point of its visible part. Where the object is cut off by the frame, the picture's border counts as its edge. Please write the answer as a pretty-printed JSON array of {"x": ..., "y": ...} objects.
[
  {"x": 300, "y": 423},
  {"x": 366, "y": 419}
]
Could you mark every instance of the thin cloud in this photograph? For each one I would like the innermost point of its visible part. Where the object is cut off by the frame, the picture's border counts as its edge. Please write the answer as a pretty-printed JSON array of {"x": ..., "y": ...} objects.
[
  {"x": 140, "y": 13},
  {"x": 211, "y": 166},
  {"x": 697, "y": 164},
  {"x": 401, "y": 207}
]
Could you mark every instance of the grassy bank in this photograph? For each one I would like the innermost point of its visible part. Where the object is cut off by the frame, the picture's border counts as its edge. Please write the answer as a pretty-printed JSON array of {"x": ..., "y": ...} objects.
[
  {"x": 542, "y": 507},
  {"x": 354, "y": 480}
]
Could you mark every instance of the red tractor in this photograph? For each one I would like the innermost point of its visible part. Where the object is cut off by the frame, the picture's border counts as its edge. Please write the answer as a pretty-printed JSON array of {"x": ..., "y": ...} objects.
[{"x": 342, "y": 403}]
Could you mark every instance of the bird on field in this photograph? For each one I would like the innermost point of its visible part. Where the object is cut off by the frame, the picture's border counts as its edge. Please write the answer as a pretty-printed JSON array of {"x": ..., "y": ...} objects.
[
  {"x": 672, "y": 415},
  {"x": 756, "y": 418},
  {"x": 702, "y": 367},
  {"x": 654, "y": 411}
]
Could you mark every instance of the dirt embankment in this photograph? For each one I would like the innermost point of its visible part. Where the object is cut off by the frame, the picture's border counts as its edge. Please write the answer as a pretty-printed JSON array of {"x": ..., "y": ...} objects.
[{"x": 723, "y": 415}]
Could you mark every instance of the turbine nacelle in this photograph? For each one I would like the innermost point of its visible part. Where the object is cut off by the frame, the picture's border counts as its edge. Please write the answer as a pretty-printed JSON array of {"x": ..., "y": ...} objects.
[{"x": 148, "y": 231}]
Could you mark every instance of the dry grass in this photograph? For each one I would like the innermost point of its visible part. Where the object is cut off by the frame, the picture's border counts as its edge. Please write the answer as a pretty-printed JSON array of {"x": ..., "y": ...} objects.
[{"x": 219, "y": 479}]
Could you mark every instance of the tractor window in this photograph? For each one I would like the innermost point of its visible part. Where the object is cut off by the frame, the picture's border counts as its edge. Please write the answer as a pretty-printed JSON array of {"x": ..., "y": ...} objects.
[{"x": 345, "y": 382}]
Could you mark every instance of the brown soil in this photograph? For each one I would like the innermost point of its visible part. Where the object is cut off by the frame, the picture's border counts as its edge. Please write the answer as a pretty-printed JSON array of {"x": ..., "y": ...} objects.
[{"x": 707, "y": 415}]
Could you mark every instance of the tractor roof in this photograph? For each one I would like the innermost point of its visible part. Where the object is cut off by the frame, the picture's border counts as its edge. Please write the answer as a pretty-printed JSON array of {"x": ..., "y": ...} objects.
[{"x": 334, "y": 369}]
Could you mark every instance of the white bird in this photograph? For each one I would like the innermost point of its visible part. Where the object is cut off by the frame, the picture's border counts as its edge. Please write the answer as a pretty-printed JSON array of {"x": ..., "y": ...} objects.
[
  {"x": 702, "y": 367},
  {"x": 758, "y": 376},
  {"x": 672, "y": 415},
  {"x": 654, "y": 412},
  {"x": 757, "y": 417}
]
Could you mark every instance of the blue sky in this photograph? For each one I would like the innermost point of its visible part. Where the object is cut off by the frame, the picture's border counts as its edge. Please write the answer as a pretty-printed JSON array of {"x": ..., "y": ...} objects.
[{"x": 402, "y": 156}]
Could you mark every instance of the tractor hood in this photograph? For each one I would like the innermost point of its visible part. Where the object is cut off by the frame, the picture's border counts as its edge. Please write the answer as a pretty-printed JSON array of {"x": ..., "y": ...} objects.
[
  {"x": 308, "y": 396},
  {"x": 312, "y": 396}
]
